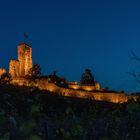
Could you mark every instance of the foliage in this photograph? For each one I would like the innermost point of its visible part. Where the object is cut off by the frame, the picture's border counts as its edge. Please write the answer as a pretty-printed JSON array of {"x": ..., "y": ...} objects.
[
  {"x": 132, "y": 106},
  {"x": 35, "y": 71},
  {"x": 27, "y": 127},
  {"x": 5, "y": 78},
  {"x": 54, "y": 78},
  {"x": 27, "y": 113},
  {"x": 35, "y": 137},
  {"x": 133, "y": 73},
  {"x": 87, "y": 78},
  {"x": 33, "y": 74}
]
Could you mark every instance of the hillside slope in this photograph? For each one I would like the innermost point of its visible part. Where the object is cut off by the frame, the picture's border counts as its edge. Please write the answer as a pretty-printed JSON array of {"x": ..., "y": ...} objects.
[{"x": 31, "y": 114}]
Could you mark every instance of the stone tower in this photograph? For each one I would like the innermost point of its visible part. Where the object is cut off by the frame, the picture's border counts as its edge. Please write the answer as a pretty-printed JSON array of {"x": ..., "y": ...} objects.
[
  {"x": 20, "y": 67},
  {"x": 14, "y": 68},
  {"x": 24, "y": 58}
]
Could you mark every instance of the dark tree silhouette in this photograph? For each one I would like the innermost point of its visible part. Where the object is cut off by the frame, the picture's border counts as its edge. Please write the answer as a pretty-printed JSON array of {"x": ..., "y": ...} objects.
[
  {"x": 33, "y": 74},
  {"x": 35, "y": 71},
  {"x": 54, "y": 78},
  {"x": 87, "y": 78},
  {"x": 5, "y": 78},
  {"x": 133, "y": 72}
]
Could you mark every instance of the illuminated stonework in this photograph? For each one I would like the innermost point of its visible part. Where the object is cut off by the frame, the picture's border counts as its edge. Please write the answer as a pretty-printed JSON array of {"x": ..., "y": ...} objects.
[
  {"x": 114, "y": 97},
  {"x": 14, "y": 68},
  {"x": 74, "y": 85},
  {"x": 24, "y": 58},
  {"x": 2, "y": 71},
  {"x": 20, "y": 67}
]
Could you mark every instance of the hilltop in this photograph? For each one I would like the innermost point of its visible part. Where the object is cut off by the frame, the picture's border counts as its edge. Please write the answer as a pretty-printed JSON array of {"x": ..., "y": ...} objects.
[
  {"x": 30, "y": 113},
  {"x": 22, "y": 72}
]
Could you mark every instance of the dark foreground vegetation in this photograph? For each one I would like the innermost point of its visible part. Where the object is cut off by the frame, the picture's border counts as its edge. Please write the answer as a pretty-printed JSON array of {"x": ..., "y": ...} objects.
[{"x": 30, "y": 114}]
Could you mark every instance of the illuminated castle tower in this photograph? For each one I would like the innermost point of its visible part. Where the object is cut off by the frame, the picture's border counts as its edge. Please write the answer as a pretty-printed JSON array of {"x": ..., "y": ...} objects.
[
  {"x": 24, "y": 58},
  {"x": 14, "y": 68},
  {"x": 20, "y": 67}
]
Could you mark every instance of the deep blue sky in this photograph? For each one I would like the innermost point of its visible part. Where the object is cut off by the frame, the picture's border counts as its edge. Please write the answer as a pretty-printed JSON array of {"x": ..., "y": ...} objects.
[{"x": 71, "y": 35}]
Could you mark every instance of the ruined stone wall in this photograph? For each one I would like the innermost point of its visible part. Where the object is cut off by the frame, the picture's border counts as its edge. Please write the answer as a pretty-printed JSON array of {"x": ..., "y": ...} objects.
[
  {"x": 100, "y": 95},
  {"x": 20, "y": 81},
  {"x": 14, "y": 68},
  {"x": 86, "y": 88},
  {"x": 2, "y": 71},
  {"x": 28, "y": 60}
]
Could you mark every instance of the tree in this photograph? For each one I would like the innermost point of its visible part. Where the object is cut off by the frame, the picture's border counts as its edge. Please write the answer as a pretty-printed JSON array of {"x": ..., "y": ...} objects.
[
  {"x": 54, "y": 78},
  {"x": 133, "y": 72},
  {"x": 87, "y": 78},
  {"x": 5, "y": 78},
  {"x": 33, "y": 74},
  {"x": 35, "y": 71}
]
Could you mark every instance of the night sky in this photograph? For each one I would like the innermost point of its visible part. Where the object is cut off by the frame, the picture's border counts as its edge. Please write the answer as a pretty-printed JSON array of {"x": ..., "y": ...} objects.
[{"x": 71, "y": 35}]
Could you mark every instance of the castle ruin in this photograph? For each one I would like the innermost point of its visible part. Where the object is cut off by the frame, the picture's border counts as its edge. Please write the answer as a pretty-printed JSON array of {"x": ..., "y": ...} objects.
[
  {"x": 21, "y": 67},
  {"x": 88, "y": 88}
]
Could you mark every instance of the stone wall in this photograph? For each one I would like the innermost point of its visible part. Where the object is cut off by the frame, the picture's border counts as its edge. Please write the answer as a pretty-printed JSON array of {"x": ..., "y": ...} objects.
[
  {"x": 94, "y": 95},
  {"x": 14, "y": 68},
  {"x": 2, "y": 71},
  {"x": 84, "y": 87}
]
